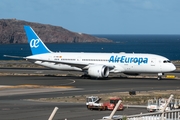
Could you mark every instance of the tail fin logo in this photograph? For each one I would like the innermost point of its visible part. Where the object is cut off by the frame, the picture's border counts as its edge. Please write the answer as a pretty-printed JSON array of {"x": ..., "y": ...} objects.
[{"x": 34, "y": 43}]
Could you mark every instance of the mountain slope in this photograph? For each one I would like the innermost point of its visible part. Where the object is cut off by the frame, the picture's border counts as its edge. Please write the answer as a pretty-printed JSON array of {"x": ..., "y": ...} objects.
[{"x": 12, "y": 31}]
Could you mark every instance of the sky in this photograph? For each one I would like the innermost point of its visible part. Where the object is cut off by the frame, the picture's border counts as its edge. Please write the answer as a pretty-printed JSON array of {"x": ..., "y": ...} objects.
[{"x": 99, "y": 16}]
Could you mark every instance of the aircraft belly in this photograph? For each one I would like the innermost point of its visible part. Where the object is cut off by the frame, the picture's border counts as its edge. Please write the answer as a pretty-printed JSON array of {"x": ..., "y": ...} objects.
[
  {"x": 142, "y": 68},
  {"x": 133, "y": 68}
]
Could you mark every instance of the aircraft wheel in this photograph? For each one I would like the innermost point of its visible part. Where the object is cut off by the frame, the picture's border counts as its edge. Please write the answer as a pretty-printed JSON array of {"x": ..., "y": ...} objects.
[{"x": 159, "y": 78}]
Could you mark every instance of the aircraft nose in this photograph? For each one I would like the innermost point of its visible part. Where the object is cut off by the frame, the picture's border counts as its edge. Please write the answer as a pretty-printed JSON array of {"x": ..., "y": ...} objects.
[{"x": 173, "y": 67}]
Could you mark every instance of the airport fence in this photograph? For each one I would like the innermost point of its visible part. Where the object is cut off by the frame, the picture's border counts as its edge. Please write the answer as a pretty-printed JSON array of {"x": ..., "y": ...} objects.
[{"x": 167, "y": 115}]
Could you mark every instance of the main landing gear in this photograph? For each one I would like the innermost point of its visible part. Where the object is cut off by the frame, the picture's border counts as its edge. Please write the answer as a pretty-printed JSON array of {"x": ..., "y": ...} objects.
[
  {"x": 160, "y": 76},
  {"x": 85, "y": 76}
]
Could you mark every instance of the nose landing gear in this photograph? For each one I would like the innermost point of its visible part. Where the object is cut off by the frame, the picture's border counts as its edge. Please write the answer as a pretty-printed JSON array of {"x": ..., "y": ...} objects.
[{"x": 160, "y": 76}]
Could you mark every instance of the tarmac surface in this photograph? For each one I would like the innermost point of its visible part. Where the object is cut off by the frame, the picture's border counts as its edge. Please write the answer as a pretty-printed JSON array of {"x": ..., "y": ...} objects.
[
  {"x": 28, "y": 110},
  {"x": 16, "y": 90}
]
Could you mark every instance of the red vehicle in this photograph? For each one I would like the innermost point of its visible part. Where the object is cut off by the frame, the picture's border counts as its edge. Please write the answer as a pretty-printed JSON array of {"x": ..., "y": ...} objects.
[
  {"x": 111, "y": 105},
  {"x": 93, "y": 103}
]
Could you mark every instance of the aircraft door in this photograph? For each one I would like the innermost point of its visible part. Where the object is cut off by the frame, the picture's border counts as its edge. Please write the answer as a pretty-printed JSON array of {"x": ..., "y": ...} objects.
[
  {"x": 160, "y": 65},
  {"x": 153, "y": 62},
  {"x": 79, "y": 59}
]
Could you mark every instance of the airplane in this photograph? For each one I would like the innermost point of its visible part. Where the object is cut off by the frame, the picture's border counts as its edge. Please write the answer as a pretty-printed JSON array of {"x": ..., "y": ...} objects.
[{"x": 95, "y": 65}]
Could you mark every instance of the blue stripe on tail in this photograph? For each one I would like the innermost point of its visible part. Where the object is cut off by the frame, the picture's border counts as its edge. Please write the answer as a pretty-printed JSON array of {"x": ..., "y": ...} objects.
[{"x": 35, "y": 43}]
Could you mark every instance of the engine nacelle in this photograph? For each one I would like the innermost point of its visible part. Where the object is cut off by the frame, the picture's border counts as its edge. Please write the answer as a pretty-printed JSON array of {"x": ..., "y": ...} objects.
[{"x": 98, "y": 71}]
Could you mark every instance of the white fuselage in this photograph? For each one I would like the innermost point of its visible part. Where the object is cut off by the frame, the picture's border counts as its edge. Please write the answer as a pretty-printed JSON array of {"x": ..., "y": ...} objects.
[{"x": 117, "y": 62}]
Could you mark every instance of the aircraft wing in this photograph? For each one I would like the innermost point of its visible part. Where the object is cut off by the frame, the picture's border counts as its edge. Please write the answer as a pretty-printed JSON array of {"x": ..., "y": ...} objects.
[
  {"x": 56, "y": 62},
  {"x": 35, "y": 59},
  {"x": 81, "y": 65}
]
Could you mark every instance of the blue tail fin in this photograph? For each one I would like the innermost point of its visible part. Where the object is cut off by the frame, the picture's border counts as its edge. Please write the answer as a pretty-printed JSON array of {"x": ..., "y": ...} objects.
[{"x": 36, "y": 45}]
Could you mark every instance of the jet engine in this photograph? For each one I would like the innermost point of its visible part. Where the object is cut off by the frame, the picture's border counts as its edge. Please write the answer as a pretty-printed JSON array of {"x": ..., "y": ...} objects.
[{"x": 99, "y": 71}]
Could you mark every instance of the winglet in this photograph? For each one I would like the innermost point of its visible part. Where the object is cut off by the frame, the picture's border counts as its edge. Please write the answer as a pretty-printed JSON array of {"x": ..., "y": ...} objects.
[{"x": 35, "y": 43}]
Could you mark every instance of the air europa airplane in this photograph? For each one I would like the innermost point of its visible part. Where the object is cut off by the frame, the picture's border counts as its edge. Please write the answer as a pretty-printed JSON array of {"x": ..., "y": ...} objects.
[{"x": 97, "y": 65}]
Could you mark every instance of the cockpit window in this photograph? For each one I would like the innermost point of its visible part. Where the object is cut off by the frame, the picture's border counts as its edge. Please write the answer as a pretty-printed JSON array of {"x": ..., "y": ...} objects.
[{"x": 166, "y": 61}]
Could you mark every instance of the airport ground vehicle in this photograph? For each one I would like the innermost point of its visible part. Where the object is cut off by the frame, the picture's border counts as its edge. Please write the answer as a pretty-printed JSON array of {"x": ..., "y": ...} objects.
[
  {"x": 93, "y": 103},
  {"x": 115, "y": 117},
  {"x": 158, "y": 104}
]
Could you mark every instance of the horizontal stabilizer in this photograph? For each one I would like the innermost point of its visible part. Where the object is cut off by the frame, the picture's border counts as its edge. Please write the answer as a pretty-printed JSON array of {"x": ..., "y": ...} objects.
[{"x": 14, "y": 56}]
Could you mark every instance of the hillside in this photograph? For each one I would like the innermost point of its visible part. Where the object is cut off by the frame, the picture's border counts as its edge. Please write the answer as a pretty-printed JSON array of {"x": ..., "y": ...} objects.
[{"x": 12, "y": 31}]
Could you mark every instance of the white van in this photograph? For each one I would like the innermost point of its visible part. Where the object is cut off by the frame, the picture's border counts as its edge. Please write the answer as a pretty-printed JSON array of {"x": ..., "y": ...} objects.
[{"x": 115, "y": 117}]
